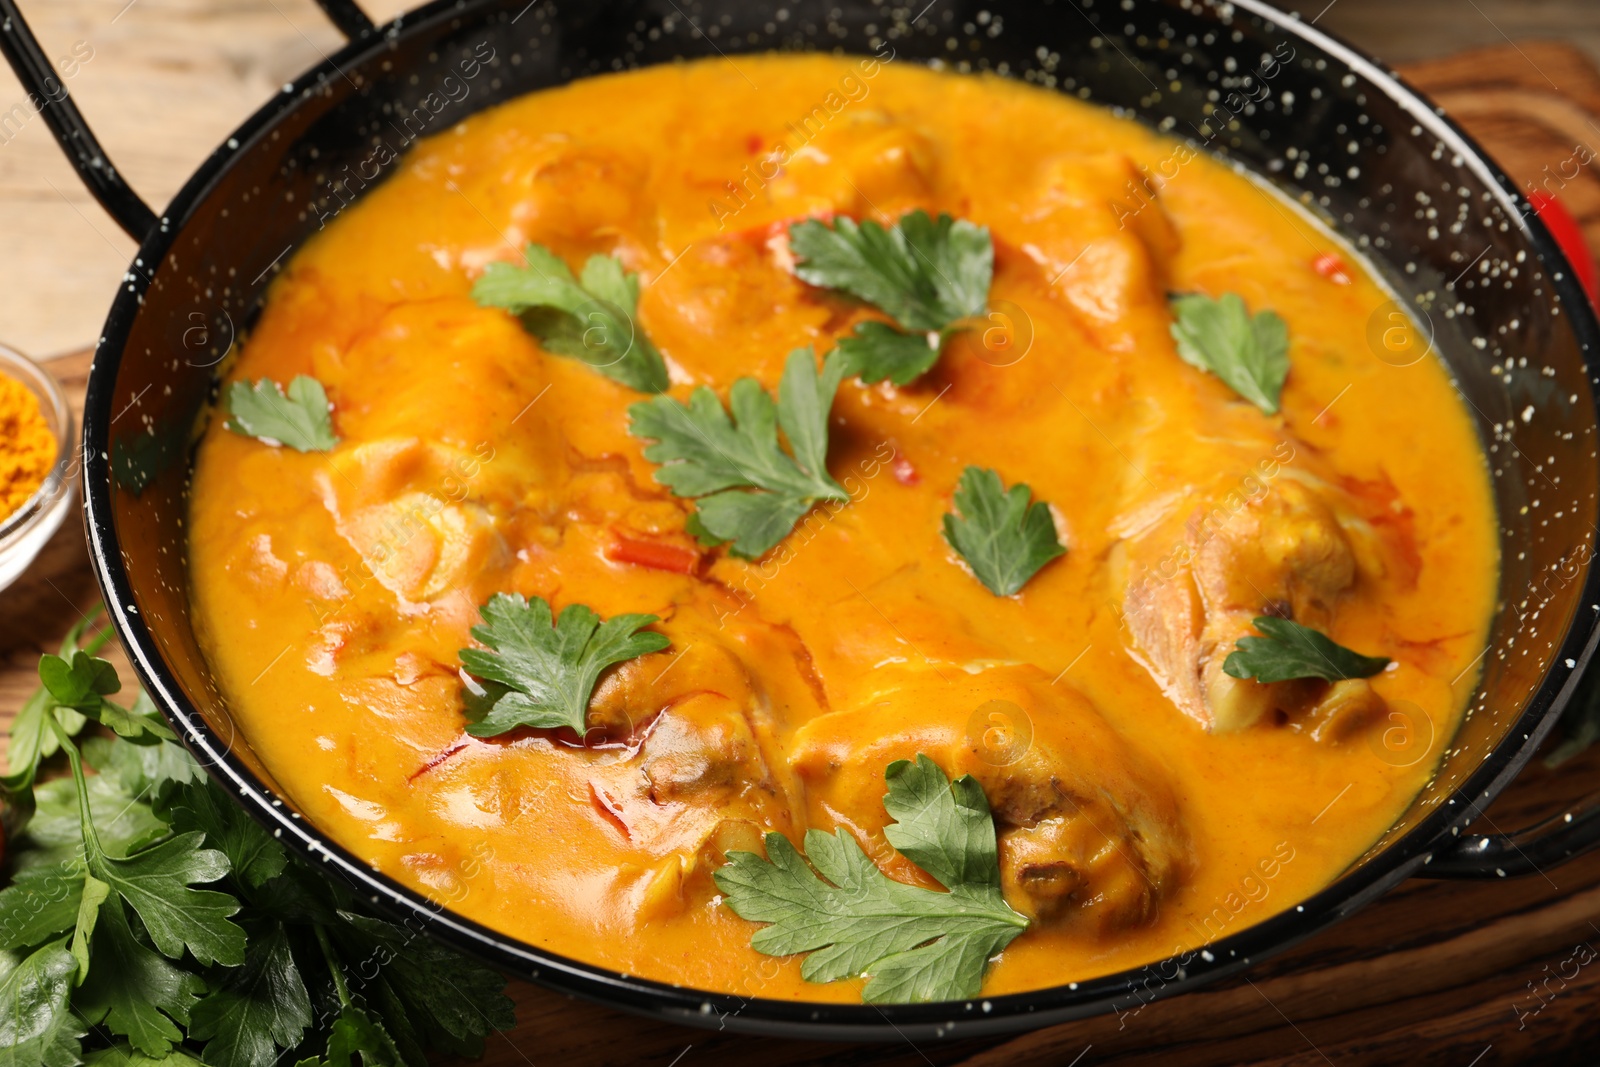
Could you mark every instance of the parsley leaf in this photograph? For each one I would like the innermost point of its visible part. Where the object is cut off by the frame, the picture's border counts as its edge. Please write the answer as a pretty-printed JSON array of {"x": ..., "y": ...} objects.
[
  {"x": 1003, "y": 539},
  {"x": 875, "y": 352},
  {"x": 544, "y": 672},
  {"x": 123, "y": 1056},
  {"x": 156, "y": 882},
  {"x": 55, "y": 833},
  {"x": 92, "y": 894},
  {"x": 36, "y": 1026},
  {"x": 142, "y": 770},
  {"x": 915, "y": 944},
  {"x": 592, "y": 318},
  {"x": 355, "y": 1037},
  {"x": 259, "y": 1009},
  {"x": 33, "y": 741},
  {"x": 926, "y": 274},
  {"x": 1290, "y": 650},
  {"x": 297, "y": 419},
  {"x": 254, "y": 858},
  {"x": 82, "y": 684},
  {"x": 706, "y": 455},
  {"x": 1250, "y": 354},
  {"x": 40, "y": 903},
  {"x": 444, "y": 999},
  {"x": 132, "y": 990},
  {"x": 79, "y": 680}
]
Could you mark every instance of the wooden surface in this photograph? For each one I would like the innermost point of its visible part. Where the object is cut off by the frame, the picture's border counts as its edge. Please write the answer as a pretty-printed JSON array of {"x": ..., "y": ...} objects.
[
  {"x": 1435, "y": 973},
  {"x": 1408, "y": 31}
]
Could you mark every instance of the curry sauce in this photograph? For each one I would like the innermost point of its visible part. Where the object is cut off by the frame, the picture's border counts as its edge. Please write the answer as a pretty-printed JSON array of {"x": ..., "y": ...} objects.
[{"x": 1146, "y": 802}]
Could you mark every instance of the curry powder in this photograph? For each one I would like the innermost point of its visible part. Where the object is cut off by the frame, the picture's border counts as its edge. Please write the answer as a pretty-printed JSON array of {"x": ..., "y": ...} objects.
[{"x": 27, "y": 447}]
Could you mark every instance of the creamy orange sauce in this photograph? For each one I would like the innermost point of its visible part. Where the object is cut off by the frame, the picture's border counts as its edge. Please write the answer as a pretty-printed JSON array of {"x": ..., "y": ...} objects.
[{"x": 1142, "y": 808}]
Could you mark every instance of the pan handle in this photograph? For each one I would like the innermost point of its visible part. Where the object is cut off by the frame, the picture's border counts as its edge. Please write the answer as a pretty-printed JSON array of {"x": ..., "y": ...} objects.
[
  {"x": 348, "y": 16},
  {"x": 49, "y": 96},
  {"x": 1533, "y": 849}
]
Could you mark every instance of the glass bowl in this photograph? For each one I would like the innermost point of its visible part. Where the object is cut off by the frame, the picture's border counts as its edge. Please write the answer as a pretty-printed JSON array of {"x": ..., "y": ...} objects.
[{"x": 25, "y": 531}]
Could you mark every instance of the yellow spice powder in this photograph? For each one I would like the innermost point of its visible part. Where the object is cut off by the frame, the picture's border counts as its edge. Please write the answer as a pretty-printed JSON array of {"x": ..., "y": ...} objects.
[{"x": 27, "y": 447}]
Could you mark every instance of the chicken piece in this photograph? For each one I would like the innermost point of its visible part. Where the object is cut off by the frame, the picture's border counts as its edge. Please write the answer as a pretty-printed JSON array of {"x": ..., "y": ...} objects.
[
  {"x": 494, "y": 374},
  {"x": 729, "y": 285},
  {"x": 853, "y": 642},
  {"x": 703, "y": 750},
  {"x": 1098, "y": 233},
  {"x": 577, "y": 195},
  {"x": 696, "y": 780},
  {"x": 1089, "y": 838},
  {"x": 391, "y": 502},
  {"x": 1348, "y": 707},
  {"x": 665, "y": 888},
  {"x": 1193, "y": 591},
  {"x": 861, "y": 162},
  {"x": 631, "y": 694}
]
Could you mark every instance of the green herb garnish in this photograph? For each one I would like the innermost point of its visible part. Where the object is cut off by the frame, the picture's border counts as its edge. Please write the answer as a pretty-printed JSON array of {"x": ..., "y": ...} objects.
[
  {"x": 82, "y": 684},
  {"x": 927, "y": 275},
  {"x": 1250, "y": 354},
  {"x": 877, "y": 351},
  {"x": 924, "y": 274},
  {"x": 750, "y": 492},
  {"x": 542, "y": 674},
  {"x": 35, "y": 1025},
  {"x": 297, "y": 419},
  {"x": 914, "y": 944},
  {"x": 113, "y": 955},
  {"x": 593, "y": 318},
  {"x": 32, "y": 741},
  {"x": 1290, "y": 650},
  {"x": 1003, "y": 539}
]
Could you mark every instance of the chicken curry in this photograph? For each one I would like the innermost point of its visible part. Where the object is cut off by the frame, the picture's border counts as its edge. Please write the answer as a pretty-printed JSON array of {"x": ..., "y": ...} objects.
[{"x": 690, "y": 485}]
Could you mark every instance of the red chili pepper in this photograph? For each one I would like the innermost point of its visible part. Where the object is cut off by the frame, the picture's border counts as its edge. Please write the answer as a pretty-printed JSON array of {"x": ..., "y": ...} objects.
[
  {"x": 435, "y": 761},
  {"x": 1331, "y": 266},
  {"x": 753, "y": 143},
  {"x": 1564, "y": 228},
  {"x": 657, "y": 555},
  {"x": 608, "y": 809},
  {"x": 904, "y": 472}
]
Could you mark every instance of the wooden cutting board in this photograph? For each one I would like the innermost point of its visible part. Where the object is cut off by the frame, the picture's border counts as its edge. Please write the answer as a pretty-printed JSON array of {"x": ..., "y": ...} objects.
[{"x": 1465, "y": 974}]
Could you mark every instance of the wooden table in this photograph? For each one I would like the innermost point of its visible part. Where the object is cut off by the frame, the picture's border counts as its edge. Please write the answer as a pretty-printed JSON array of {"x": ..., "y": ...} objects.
[{"x": 1435, "y": 973}]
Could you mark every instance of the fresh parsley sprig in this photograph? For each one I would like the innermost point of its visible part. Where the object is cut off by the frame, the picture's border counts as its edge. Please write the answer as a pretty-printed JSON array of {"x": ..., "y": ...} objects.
[
  {"x": 1250, "y": 354},
  {"x": 914, "y": 944},
  {"x": 593, "y": 318},
  {"x": 926, "y": 274},
  {"x": 112, "y": 954},
  {"x": 83, "y": 683},
  {"x": 749, "y": 490},
  {"x": 1290, "y": 650},
  {"x": 1003, "y": 539},
  {"x": 540, "y": 673},
  {"x": 32, "y": 741},
  {"x": 297, "y": 419}
]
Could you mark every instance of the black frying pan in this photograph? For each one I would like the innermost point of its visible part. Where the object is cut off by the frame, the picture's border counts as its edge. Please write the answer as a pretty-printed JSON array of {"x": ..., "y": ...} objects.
[{"x": 1305, "y": 111}]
